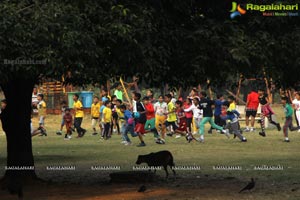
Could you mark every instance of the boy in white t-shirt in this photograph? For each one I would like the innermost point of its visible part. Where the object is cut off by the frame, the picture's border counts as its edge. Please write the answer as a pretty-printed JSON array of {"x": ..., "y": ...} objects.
[{"x": 296, "y": 105}]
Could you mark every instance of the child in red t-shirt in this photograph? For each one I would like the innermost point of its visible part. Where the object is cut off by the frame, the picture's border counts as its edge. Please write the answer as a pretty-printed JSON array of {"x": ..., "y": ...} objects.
[
  {"x": 188, "y": 115},
  {"x": 68, "y": 121},
  {"x": 181, "y": 120}
]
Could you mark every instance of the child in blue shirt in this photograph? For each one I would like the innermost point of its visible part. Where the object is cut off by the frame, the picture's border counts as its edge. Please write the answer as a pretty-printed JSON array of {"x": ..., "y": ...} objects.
[
  {"x": 233, "y": 125},
  {"x": 128, "y": 125}
]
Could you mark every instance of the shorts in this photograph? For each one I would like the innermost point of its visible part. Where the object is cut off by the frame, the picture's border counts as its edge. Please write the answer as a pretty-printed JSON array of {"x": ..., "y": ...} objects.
[
  {"x": 189, "y": 122},
  {"x": 62, "y": 121},
  {"x": 267, "y": 110},
  {"x": 115, "y": 115},
  {"x": 94, "y": 122},
  {"x": 122, "y": 123},
  {"x": 42, "y": 120},
  {"x": 139, "y": 128},
  {"x": 150, "y": 124},
  {"x": 197, "y": 122},
  {"x": 182, "y": 126},
  {"x": 251, "y": 113},
  {"x": 68, "y": 127},
  {"x": 173, "y": 124}
]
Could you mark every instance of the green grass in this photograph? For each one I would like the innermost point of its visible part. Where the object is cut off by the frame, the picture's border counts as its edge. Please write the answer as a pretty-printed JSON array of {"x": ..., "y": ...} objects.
[{"x": 217, "y": 150}]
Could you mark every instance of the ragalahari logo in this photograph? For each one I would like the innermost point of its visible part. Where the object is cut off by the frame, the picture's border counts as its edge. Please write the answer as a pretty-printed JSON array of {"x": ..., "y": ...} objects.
[{"x": 236, "y": 10}]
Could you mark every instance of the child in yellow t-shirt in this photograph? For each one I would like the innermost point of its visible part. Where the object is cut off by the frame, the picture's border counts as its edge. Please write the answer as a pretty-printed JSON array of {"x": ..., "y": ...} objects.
[
  {"x": 107, "y": 119},
  {"x": 95, "y": 114},
  {"x": 171, "y": 119},
  {"x": 78, "y": 109},
  {"x": 42, "y": 112}
]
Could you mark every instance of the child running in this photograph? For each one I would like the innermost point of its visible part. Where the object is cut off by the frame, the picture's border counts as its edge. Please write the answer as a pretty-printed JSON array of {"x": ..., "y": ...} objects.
[
  {"x": 171, "y": 119},
  {"x": 206, "y": 105},
  {"x": 217, "y": 113},
  {"x": 63, "y": 109},
  {"x": 296, "y": 105},
  {"x": 160, "y": 109},
  {"x": 188, "y": 114},
  {"x": 150, "y": 115},
  {"x": 181, "y": 119},
  {"x": 95, "y": 114},
  {"x": 288, "y": 124},
  {"x": 140, "y": 118},
  {"x": 41, "y": 106},
  {"x": 197, "y": 115},
  {"x": 233, "y": 125},
  {"x": 115, "y": 122},
  {"x": 107, "y": 119},
  {"x": 79, "y": 114},
  {"x": 68, "y": 121},
  {"x": 266, "y": 111},
  {"x": 128, "y": 125}
]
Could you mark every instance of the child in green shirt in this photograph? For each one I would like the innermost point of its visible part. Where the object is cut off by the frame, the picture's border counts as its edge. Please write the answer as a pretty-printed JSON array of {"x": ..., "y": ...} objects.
[{"x": 288, "y": 110}]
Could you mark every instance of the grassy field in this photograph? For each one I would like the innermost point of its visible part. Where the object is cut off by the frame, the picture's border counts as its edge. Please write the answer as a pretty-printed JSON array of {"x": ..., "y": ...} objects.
[{"x": 217, "y": 150}]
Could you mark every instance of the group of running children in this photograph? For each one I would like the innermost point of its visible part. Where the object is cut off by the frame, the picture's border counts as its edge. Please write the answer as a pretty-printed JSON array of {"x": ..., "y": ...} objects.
[{"x": 165, "y": 116}]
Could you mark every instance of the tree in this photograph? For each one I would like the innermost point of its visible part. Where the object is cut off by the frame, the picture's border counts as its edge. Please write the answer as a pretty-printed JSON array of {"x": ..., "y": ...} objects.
[{"x": 47, "y": 39}]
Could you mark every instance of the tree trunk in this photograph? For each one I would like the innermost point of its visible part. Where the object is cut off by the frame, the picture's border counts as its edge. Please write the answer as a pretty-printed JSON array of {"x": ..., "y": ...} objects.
[{"x": 16, "y": 124}]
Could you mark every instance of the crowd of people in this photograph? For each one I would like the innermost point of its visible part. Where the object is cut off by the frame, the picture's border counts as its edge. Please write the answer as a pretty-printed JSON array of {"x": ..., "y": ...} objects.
[{"x": 167, "y": 116}]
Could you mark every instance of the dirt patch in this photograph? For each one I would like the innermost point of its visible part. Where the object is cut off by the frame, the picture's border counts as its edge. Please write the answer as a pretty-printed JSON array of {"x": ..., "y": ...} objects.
[{"x": 215, "y": 188}]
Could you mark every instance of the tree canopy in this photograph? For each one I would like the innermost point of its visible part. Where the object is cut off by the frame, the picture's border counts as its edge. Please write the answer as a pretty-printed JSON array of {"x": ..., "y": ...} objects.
[{"x": 176, "y": 42}]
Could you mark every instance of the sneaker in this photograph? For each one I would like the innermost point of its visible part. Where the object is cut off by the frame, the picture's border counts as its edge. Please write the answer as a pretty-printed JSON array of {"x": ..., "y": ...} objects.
[
  {"x": 69, "y": 136},
  {"x": 279, "y": 127},
  {"x": 226, "y": 132},
  {"x": 187, "y": 136},
  {"x": 59, "y": 133},
  {"x": 114, "y": 130},
  {"x": 178, "y": 136},
  {"x": 95, "y": 133},
  {"x": 82, "y": 133},
  {"x": 263, "y": 134},
  {"x": 246, "y": 130},
  {"x": 127, "y": 144},
  {"x": 142, "y": 144},
  {"x": 170, "y": 134},
  {"x": 43, "y": 131},
  {"x": 160, "y": 141},
  {"x": 123, "y": 142},
  {"x": 157, "y": 140},
  {"x": 252, "y": 129},
  {"x": 189, "y": 139},
  {"x": 286, "y": 140},
  {"x": 244, "y": 140},
  {"x": 200, "y": 140},
  {"x": 101, "y": 138}
]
